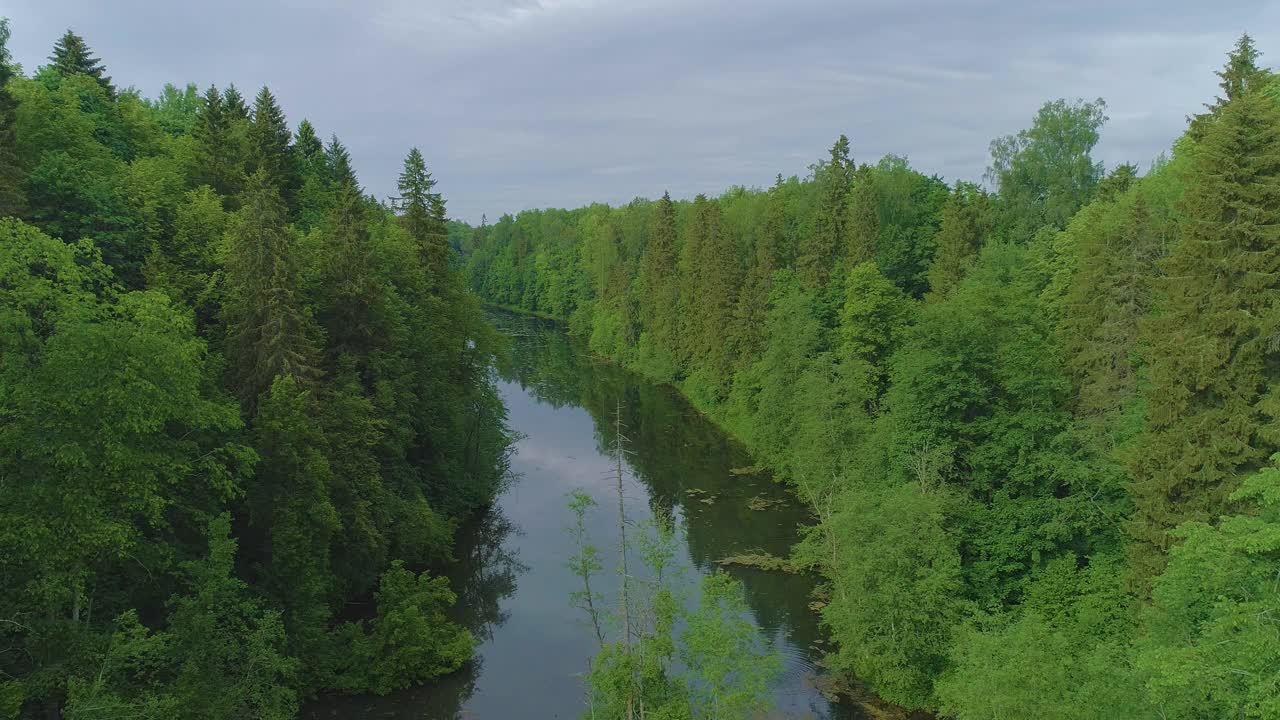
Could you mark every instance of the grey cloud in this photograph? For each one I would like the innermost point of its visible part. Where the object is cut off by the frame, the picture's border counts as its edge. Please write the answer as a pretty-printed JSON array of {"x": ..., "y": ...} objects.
[{"x": 534, "y": 103}]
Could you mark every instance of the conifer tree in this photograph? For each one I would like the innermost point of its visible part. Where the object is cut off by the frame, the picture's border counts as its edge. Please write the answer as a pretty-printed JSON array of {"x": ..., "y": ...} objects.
[
  {"x": 422, "y": 213},
  {"x": 819, "y": 246},
  {"x": 237, "y": 109},
  {"x": 1241, "y": 74},
  {"x": 269, "y": 330},
  {"x": 270, "y": 151},
  {"x": 717, "y": 290},
  {"x": 338, "y": 163},
  {"x": 966, "y": 221},
  {"x": 310, "y": 149},
  {"x": 1211, "y": 351},
  {"x": 352, "y": 293},
  {"x": 71, "y": 56},
  {"x": 753, "y": 303},
  {"x": 659, "y": 283},
  {"x": 861, "y": 224},
  {"x": 11, "y": 195},
  {"x": 1108, "y": 294},
  {"x": 217, "y": 161}
]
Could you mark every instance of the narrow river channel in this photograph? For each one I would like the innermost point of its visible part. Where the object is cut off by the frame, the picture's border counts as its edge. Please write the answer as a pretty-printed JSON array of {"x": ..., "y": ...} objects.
[{"x": 510, "y": 576}]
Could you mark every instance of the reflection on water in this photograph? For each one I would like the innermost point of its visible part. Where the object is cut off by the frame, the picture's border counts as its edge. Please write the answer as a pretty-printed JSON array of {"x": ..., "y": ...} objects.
[{"x": 510, "y": 575}]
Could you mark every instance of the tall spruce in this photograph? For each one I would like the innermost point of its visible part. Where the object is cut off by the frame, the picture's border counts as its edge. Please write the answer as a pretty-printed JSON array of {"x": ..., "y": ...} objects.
[
  {"x": 237, "y": 109},
  {"x": 818, "y": 247},
  {"x": 966, "y": 221},
  {"x": 338, "y": 164},
  {"x": 270, "y": 149},
  {"x": 660, "y": 290},
  {"x": 716, "y": 293},
  {"x": 12, "y": 200},
  {"x": 309, "y": 148},
  {"x": 216, "y": 157},
  {"x": 753, "y": 302},
  {"x": 422, "y": 213},
  {"x": 269, "y": 329},
  {"x": 71, "y": 56},
  {"x": 862, "y": 222},
  {"x": 1211, "y": 350}
]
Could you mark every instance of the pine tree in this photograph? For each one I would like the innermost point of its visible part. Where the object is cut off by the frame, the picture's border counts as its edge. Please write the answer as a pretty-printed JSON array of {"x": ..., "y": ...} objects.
[
  {"x": 71, "y": 56},
  {"x": 269, "y": 330},
  {"x": 422, "y": 213},
  {"x": 270, "y": 151},
  {"x": 861, "y": 224},
  {"x": 658, "y": 280},
  {"x": 819, "y": 246},
  {"x": 1211, "y": 349},
  {"x": 12, "y": 201},
  {"x": 966, "y": 221}
]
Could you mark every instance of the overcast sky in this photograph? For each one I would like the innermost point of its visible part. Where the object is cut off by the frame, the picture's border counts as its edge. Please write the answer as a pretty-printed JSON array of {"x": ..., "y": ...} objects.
[{"x": 534, "y": 103}]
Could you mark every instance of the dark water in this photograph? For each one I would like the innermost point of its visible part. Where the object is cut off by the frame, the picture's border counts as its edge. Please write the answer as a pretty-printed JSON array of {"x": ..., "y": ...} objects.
[{"x": 511, "y": 580}]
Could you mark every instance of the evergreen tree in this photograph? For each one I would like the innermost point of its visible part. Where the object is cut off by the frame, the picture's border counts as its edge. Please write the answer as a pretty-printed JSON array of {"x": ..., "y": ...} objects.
[
  {"x": 269, "y": 331},
  {"x": 862, "y": 223},
  {"x": 658, "y": 280},
  {"x": 818, "y": 248},
  {"x": 966, "y": 221},
  {"x": 1109, "y": 293},
  {"x": 71, "y": 56},
  {"x": 1242, "y": 74},
  {"x": 12, "y": 201},
  {"x": 713, "y": 299},
  {"x": 237, "y": 109},
  {"x": 753, "y": 304},
  {"x": 422, "y": 213},
  {"x": 351, "y": 312},
  {"x": 270, "y": 151},
  {"x": 1211, "y": 354},
  {"x": 217, "y": 161},
  {"x": 338, "y": 164},
  {"x": 310, "y": 150}
]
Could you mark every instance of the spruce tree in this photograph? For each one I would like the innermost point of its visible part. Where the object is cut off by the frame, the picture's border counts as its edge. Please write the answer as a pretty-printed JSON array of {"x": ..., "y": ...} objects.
[
  {"x": 12, "y": 200},
  {"x": 270, "y": 151},
  {"x": 658, "y": 280},
  {"x": 338, "y": 165},
  {"x": 819, "y": 246},
  {"x": 309, "y": 148},
  {"x": 1211, "y": 349},
  {"x": 422, "y": 213},
  {"x": 71, "y": 56},
  {"x": 716, "y": 293},
  {"x": 269, "y": 329},
  {"x": 1109, "y": 292},
  {"x": 237, "y": 109},
  {"x": 966, "y": 221},
  {"x": 352, "y": 309},
  {"x": 861, "y": 224},
  {"x": 216, "y": 160},
  {"x": 753, "y": 302}
]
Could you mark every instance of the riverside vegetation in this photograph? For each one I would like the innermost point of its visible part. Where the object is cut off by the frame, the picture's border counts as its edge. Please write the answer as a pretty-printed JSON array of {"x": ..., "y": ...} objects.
[
  {"x": 243, "y": 407},
  {"x": 1035, "y": 420}
]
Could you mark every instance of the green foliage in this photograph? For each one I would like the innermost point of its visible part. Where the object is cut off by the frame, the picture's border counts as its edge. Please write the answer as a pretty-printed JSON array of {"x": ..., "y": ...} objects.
[
  {"x": 167, "y": 551},
  {"x": 1045, "y": 173}
]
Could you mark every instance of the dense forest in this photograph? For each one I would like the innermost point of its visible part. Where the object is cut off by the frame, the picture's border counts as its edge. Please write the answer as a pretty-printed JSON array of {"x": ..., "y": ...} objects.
[
  {"x": 243, "y": 406},
  {"x": 1035, "y": 418}
]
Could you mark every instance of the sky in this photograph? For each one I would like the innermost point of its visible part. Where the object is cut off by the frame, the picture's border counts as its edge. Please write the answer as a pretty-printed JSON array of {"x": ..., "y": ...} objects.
[{"x": 521, "y": 104}]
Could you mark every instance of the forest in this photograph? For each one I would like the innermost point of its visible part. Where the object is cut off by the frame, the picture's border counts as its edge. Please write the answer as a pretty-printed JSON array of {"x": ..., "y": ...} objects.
[
  {"x": 243, "y": 406},
  {"x": 1034, "y": 418}
]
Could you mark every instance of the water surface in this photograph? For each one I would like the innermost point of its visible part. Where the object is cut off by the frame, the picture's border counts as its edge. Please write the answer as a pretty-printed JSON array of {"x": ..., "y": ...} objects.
[{"x": 512, "y": 584}]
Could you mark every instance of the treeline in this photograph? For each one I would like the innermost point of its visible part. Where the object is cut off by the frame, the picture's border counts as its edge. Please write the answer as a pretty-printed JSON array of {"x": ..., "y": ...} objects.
[
  {"x": 1034, "y": 421},
  {"x": 242, "y": 407}
]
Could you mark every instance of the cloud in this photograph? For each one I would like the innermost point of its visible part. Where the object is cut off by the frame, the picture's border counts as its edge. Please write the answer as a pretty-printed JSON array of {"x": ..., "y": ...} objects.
[{"x": 534, "y": 103}]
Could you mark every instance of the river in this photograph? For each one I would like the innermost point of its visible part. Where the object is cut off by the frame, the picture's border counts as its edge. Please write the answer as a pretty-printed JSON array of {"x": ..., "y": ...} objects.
[{"x": 510, "y": 576}]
